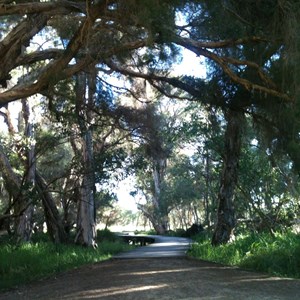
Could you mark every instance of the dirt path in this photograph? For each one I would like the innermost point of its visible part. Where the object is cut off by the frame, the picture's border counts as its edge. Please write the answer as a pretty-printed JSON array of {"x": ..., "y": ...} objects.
[{"x": 158, "y": 278}]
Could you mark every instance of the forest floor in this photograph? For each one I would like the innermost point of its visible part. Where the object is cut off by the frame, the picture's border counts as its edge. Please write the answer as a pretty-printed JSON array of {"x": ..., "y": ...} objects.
[{"x": 158, "y": 278}]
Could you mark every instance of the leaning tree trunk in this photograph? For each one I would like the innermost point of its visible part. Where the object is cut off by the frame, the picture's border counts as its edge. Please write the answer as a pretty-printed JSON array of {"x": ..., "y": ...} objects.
[
  {"x": 69, "y": 198},
  {"x": 12, "y": 183},
  {"x": 55, "y": 228},
  {"x": 226, "y": 216},
  {"x": 15, "y": 186},
  {"x": 154, "y": 220}
]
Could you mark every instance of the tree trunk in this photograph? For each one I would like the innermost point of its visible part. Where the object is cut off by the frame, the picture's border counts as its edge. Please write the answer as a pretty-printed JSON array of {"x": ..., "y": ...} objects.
[
  {"x": 156, "y": 223},
  {"x": 206, "y": 161},
  {"x": 160, "y": 217},
  {"x": 22, "y": 206},
  {"x": 86, "y": 213},
  {"x": 12, "y": 181},
  {"x": 86, "y": 218},
  {"x": 224, "y": 230},
  {"x": 55, "y": 228},
  {"x": 69, "y": 199},
  {"x": 25, "y": 220},
  {"x": 13, "y": 185},
  {"x": 157, "y": 213}
]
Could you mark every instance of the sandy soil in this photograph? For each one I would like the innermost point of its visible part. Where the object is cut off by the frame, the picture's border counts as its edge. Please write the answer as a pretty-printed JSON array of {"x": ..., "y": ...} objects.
[{"x": 158, "y": 278}]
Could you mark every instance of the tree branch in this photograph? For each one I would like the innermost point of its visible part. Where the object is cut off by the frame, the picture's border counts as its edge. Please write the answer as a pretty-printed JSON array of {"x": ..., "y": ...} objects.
[
  {"x": 223, "y": 62},
  {"x": 51, "y": 73},
  {"x": 219, "y": 44},
  {"x": 57, "y": 7},
  {"x": 59, "y": 69},
  {"x": 34, "y": 57},
  {"x": 13, "y": 44}
]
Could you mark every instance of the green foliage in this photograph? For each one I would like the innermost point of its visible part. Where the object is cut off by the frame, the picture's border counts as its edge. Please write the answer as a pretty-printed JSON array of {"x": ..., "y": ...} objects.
[
  {"x": 181, "y": 186},
  {"x": 149, "y": 232},
  {"x": 28, "y": 262},
  {"x": 108, "y": 163},
  {"x": 276, "y": 255},
  {"x": 107, "y": 236},
  {"x": 177, "y": 232}
]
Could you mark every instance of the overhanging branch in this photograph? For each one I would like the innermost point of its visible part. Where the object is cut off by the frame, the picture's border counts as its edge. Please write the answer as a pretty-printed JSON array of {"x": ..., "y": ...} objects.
[
  {"x": 200, "y": 49},
  {"x": 57, "y": 7}
]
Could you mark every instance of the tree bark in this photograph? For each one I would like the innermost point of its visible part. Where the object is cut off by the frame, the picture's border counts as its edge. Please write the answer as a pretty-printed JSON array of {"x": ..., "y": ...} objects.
[
  {"x": 224, "y": 230},
  {"x": 159, "y": 219},
  {"x": 86, "y": 220},
  {"x": 55, "y": 227},
  {"x": 86, "y": 214},
  {"x": 22, "y": 204},
  {"x": 25, "y": 207},
  {"x": 69, "y": 199},
  {"x": 154, "y": 219},
  {"x": 12, "y": 181}
]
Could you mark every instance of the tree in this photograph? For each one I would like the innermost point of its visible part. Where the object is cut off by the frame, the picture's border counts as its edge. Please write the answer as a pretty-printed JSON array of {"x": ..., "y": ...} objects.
[
  {"x": 134, "y": 25},
  {"x": 155, "y": 151},
  {"x": 183, "y": 192},
  {"x": 250, "y": 47},
  {"x": 226, "y": 221},
  {"x": 21, "y": 188},
  {"x": 25, "y": 207},
  {"x": 86, "y": 216},
  {"x": 25, "y": 190}
]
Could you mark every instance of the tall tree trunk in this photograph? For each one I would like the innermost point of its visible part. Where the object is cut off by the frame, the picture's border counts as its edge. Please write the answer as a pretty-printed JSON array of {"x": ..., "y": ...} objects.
[
  {"x": 25, "y": 207},
  {"x": 160, "y": 217},
  {"x": 86, "y": 218},
  {"x": 226, "y": 216},
  {"x": 206, "y": 161},
  {"x": 86, "y": 214}
]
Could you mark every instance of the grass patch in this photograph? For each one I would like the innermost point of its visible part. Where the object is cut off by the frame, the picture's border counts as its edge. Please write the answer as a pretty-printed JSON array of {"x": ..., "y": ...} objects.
[
  {"x": 28, "y": 262},
  {"x": 276, "y": 255}
]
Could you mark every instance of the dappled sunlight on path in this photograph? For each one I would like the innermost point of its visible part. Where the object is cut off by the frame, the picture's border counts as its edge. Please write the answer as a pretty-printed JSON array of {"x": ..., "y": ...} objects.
[{"x": 159, "y": 278}]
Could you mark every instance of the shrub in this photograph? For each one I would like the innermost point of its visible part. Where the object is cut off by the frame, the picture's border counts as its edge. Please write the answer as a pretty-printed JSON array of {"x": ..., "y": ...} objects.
[
  {"x": 31, "y": 261},
  {"x": 106, "y": 235},
  {"x": 277, "y": 255}
]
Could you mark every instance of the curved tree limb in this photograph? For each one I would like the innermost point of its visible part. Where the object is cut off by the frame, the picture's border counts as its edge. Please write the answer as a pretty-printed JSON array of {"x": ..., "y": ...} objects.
[
  {"x": 59, "y": 68},
  {"x": 13, "y": 44},
  {"x": 57, "y": 7},
  {"x": 218, "y": 44},
  {"x": 200, "y": 49},
  {"x": 51, "y": 73},
  {"x": 34, "y": 57}
]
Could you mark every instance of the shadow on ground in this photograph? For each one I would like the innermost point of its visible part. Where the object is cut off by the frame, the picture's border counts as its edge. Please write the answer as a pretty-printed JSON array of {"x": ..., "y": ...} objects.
[{"x": 159, "y": 278}]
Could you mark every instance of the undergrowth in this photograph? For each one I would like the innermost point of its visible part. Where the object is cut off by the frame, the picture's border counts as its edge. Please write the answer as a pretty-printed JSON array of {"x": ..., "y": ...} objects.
[
  {"x": 23, "y": 263},
  {"x": 276, "y": 255}
]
